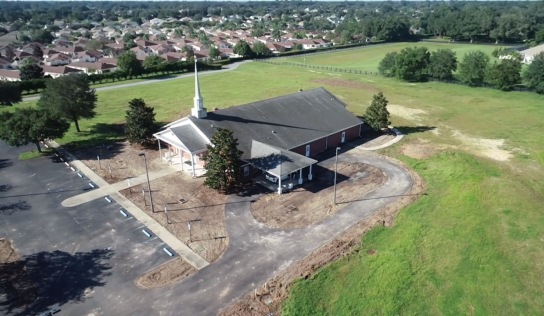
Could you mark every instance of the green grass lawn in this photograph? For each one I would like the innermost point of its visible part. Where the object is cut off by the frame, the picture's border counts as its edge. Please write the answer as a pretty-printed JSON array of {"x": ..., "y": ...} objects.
[
  {"x": 35, "y": 154},
  {"x": 472, "y": 245},
  {"x": 369, "y": 58}
]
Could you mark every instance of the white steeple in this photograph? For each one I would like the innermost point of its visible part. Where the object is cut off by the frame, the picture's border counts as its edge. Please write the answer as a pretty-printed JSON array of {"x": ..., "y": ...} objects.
[{"x": 198, "y": 110}]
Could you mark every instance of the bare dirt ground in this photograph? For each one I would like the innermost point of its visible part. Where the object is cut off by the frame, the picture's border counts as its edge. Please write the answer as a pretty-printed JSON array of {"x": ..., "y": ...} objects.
[
  {"x": 203, "y": 207},
  {"x": 122, "y": 158},
  {"x": 271, "y": 294},
  {"x": 7, "y": 253},
  {"x": 345, "y": 83},
  {"x": 166, "y": 274},
  {"x": 420, "y": 149},
  {"x": 313, "y": 202}
]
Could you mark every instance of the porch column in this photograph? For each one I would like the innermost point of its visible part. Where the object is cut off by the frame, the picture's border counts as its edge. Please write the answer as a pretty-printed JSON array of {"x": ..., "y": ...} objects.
[
  {"x": 300, "y": 180},
  {"x": 160, "y": 152},
  {"x": 279, "y": 184},
  {"x": 310, "y": 175},
  {"x": 181, "y": 159},
  {"x": 193, "y": 164}
]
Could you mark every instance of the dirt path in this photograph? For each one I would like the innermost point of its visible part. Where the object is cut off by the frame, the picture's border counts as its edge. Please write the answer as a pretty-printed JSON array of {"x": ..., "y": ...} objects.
[{"x": 313, "y": 202}]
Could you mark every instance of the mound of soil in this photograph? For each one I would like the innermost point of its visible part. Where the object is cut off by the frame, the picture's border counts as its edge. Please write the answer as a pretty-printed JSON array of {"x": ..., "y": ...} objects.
[{"x": 166, "y": 274}]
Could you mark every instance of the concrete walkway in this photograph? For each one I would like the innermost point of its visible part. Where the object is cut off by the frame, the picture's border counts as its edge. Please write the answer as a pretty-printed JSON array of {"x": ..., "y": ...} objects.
[
  {"x": 389, "y": 143},
  {"x": 150, "y": 81},
  {"x": 106, "y": 189}
]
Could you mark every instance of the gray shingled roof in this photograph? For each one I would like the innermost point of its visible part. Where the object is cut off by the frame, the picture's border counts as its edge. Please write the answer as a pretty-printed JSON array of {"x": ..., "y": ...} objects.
[
  {"x": 285, "y": 122},
  {"x": 277, "y": 161},
  {"x": 190, "y": 137}
]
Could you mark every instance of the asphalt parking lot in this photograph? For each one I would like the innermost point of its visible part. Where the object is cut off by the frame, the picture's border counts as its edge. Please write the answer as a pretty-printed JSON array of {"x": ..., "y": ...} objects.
[{"x": 85, "y": 258}]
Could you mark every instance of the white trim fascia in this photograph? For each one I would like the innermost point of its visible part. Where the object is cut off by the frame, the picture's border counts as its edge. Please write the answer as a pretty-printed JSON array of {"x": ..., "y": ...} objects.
[{"x": 175, "y": 122}]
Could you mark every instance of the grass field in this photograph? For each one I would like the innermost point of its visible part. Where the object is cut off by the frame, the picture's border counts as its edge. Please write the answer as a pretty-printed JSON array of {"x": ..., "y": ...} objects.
[
  {"x": 35, "y": 154},
  {"x": 472, "y": 245},
  {"x": 369, "y": 58}
]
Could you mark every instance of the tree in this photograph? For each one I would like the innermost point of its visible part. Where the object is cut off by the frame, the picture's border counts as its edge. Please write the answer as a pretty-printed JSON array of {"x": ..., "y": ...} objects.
[
  {"x": 539, "y": 36},
  {"x": 223, "y": 162},
  {"x": 94, "y": 45},
  {"x": 214, "y": 52},
  {"x": 377, "y": 115},
  {"x": 298, "y": 46},
  {"x": 534, "y": 74},
  {"x": 473, "y": 69},
  {"x": 10, "y": 53},
  {"x": 42, "y": 36},
  {"x": 387, "y": 65},
  {"x": 10, "y": 93},
  {"x": 139, "y": 122},
  {"x": 69, "y": 97},
  {"x": 152, "y": 61},
  {"x": 178, "y": 33},
  {"x": 129, "y": 64},
  {"x": 30, "y": 71},
  {"x": 37, "y": 52},
  {"x": 412, "y": 63},
  {"x": 442, "y": 64},
  {"x": 504, "y": 75},
  {"x": 260, "y": 49},
  {"x": 242, "y": 48},
  {"x": 30, "y": 125}
]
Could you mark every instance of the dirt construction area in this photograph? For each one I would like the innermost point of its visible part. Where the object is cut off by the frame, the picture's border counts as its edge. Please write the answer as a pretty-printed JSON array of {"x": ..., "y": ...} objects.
[
  {"x": 122, "y": 158},
  {"x": 167, "y": 274},
  {"x": 187, "y": 201},
  {"x": 268, "y": 297},
  {"x": 313, "y": 202}
]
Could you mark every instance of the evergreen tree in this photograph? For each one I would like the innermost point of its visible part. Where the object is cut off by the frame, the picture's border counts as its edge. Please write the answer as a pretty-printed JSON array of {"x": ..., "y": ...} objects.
[
  {"x": 505, "y": 75},
  {"x": 37, "y": 52},
  {"x": 223, "y": 162},
  {"x": 129, "y": 64},
  {"x": 214, "y": 52},
  {"x": 30, "y": 125},
  {"x": 534, "y": 74},
  {"x": 260, "y": 49},
  {"x": 9, "y": 93},
  {"x": 376, "y": 115},
  {"x": 70, "y": 97},
  {"x": 139, "y": 122},
  {"x": 242, "y": 48}
]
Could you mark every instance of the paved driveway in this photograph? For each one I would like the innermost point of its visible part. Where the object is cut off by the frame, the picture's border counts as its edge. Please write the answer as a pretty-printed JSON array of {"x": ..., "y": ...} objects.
[{"x": 84, "y": 258}]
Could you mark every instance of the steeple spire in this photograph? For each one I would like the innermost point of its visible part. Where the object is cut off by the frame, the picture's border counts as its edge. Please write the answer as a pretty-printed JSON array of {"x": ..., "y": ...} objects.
[{"x": 198, "y": 110}]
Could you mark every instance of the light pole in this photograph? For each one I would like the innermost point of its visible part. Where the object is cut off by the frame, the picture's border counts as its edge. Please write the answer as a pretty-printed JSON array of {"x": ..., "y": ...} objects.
[
  {"x": 335, "y": 172},
  {"x": 148, "y": 184}
]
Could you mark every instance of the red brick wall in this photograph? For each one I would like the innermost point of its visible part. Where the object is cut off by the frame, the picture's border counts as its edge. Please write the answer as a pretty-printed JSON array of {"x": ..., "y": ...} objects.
[
  {"x": 315, "y": 147},
  {"x": 335, "y": 140}
]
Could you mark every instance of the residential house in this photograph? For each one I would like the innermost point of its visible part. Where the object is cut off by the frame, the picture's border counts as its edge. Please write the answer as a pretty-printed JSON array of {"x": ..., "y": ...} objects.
[
  {"x": 108, "y": 60},
  {"x": 59, "y": 71},
  {"x": 198, "y": 46},
  {"x": 141, "y": 51},
  {"x": 73, "y": 51},
  {"x": 89, "y": 68},
  {"x": 57, "y": 60},
  {"x": 277, "y": 136},
  {"x": 88, "y": 56},
  {"x": 9, "y": 75},
  {"x": 5, "y": 63},
  {"x": 4, "y": 49},
  {"x": 161, "y": 49},
  {"x": 29, "y": 48},
  {"x": 171, "y": 56},
  {"x": 62, "y": 43}
]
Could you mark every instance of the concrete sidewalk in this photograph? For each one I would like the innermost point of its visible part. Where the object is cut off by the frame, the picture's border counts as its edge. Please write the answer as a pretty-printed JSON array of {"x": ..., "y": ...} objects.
[
  {"x": 109, "y": 189},
  {"x": 112, "y": 190}
]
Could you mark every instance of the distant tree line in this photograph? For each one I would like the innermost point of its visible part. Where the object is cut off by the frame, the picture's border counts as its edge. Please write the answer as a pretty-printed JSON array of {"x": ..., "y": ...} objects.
[{"x": 418, "y": 64}]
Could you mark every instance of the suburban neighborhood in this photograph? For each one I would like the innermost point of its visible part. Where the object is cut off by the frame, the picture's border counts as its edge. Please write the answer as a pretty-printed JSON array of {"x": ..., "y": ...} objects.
[{"x": 271, "y": 158}]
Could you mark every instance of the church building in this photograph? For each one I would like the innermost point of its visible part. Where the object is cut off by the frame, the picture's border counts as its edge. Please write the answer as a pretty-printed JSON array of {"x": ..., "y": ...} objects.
[{"x": 278, "y": 136}]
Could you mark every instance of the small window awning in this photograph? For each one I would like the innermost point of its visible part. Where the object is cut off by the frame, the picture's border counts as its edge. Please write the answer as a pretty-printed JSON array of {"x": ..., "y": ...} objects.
[{"x": 277, "y": 161}]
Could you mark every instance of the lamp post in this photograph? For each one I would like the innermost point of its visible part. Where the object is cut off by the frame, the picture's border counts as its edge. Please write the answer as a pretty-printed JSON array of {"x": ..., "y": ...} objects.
[
  {"x": 148, "y": 184},
  {"x": 335, "y": 172}
]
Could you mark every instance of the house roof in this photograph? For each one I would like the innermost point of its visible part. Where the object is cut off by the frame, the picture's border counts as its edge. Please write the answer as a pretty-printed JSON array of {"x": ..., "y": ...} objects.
[
  {"x": 190, "y": 137},
  {"x": 275, "y": 160},
  {"x": 10, "y": 74},
  {"x": 59, "y": 69},
  {"x": 285, "y": 122},
  {"x": 97, "y": 65}
]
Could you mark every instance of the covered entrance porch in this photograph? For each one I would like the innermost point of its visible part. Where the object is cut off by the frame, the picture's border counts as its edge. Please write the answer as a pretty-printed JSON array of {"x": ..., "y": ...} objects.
[{"x": 282, "y": 169}]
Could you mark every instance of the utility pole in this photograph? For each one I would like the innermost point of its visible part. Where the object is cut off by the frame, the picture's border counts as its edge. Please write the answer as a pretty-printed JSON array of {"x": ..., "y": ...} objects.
[{"x": 148, "y": 183}]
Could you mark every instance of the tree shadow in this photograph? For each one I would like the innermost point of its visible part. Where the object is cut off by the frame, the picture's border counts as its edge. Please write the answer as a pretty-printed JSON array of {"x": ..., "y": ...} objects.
[
  {"x": 19, "y": 206},
  {"x": 99, "y": 134},
  {"x": 6, "y": 187},
  {"x": 5, "y": 163},
  {"x": 414, "y": 129},
  {"x": 38, "y": 281}
]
